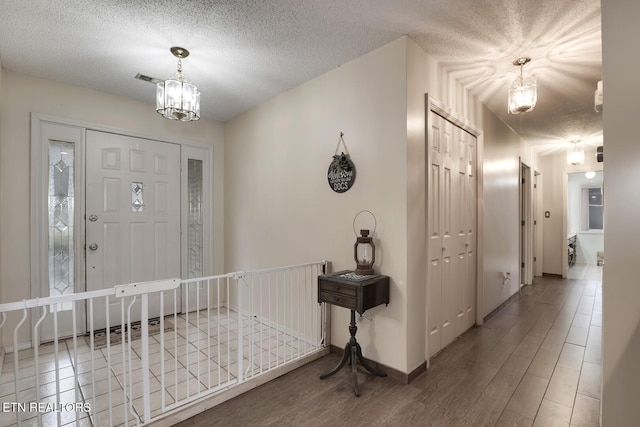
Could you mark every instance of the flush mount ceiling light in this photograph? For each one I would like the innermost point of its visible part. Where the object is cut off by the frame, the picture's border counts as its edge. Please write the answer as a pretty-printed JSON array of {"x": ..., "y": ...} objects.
[
  {"x": 575, "y": 156},
  {"x": 522, "y": 93},
  {"x": 590, "y": 174},
  {"x": 176, "y": 97}
]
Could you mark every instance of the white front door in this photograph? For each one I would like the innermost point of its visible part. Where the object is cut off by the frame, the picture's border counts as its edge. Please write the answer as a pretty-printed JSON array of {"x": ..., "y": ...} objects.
[
  {"x": 451, "y": 228},
  {"x": 132, "y": 216}
]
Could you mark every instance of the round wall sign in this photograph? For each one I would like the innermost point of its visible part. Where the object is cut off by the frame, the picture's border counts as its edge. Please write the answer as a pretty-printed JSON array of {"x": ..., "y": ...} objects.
[{"x": 342, "y": 173}]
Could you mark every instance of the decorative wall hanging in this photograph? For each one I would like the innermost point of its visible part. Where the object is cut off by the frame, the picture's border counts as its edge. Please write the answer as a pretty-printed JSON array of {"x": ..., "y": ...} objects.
[{"x": 342, "y": 171}]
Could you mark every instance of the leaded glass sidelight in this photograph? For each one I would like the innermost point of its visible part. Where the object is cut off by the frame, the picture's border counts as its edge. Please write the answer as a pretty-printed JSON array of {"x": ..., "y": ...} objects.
[
  {"x": 61, "y": 218},
  {"x": 194, "y": 218}
]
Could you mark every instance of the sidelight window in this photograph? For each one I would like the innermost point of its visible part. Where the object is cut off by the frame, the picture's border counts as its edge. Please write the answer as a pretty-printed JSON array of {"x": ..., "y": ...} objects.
[
  {"x": 195, "y": 218},
  {"x": 61, "y": 218}
]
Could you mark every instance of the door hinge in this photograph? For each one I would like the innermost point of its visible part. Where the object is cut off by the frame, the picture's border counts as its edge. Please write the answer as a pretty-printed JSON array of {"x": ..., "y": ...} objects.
[
  {"x": 535, "y": 222},
  {"x": 523, "y": 222},
  {"x": 522, "y": 265},
  {"x": 535, "y": 259},
  {"x": 535, "y": 185},
  {"x": 522, "y": 181}
]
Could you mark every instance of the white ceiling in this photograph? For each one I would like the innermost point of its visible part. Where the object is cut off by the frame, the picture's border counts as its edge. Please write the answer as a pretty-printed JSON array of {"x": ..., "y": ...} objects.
[{"x": 247, "y": 51}]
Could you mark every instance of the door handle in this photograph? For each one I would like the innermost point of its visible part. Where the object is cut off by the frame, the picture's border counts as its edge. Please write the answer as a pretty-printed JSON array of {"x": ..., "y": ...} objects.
[{"x": 93, "y": 246}]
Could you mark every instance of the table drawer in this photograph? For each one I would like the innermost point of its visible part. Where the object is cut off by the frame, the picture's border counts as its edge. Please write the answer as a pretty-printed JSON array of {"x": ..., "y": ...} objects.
[
  {"x": 337, "y": 288},
  {"x": 338, "y": 299}
]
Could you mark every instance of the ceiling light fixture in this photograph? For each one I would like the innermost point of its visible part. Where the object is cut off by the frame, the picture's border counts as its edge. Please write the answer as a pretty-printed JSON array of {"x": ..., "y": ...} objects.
[
  {"x": 177, "y": 98},
  {"x": 590, "y": 175},
  {"x": 522, "y": 93},
  {"x": 575, "y": 156}
]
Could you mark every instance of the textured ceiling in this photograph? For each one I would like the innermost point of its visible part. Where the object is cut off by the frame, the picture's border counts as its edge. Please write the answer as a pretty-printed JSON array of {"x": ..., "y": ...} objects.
[{"x": 247, "y": 51}]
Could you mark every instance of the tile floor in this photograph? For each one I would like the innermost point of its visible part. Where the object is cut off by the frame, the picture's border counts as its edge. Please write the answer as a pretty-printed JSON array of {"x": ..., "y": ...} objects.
[{"x": 199, "y": 355}]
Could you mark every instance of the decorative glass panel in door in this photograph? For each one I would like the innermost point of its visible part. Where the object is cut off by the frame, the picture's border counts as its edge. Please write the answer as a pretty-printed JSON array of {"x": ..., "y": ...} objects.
[
  {"x": 61, "y": 219},
  {"x": 194, "y": 219}
]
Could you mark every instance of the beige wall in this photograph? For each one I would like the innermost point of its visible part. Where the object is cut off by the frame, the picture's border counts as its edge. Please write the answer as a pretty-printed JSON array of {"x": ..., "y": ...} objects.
[
  {"x": 503, "y": 149},
  {"x": 1, "y": 199},
  {"x": 499, "y": 185},
  {"x": 280, "y": 209},
  {"x": 22, "y": 95},
  {"x": 554, "y": 170},
  {"x": 620, "y": 288}
]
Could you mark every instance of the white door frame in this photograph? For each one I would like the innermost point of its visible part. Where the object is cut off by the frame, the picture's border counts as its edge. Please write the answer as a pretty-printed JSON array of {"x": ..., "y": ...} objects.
[
  {"x": 432, "y": 104},
  {"x": 565, "y": 208},
  {"x": 526, "y": 225},
  {"x": 537, "y": 223},
  {"x": 39, "y": 186}
]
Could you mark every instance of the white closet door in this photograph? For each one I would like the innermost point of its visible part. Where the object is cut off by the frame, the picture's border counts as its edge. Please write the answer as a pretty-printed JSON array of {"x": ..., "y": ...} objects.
[{"x": 451, "y": 225}]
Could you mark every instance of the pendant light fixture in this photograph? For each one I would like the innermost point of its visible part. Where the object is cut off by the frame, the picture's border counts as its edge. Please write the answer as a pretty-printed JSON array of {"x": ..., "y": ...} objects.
[
  {"x": 575, "y": 156},
  {"x": 522, "y": 93},
  {"x": 597, "y": 98},
  {"x": 176, "y": 97}
]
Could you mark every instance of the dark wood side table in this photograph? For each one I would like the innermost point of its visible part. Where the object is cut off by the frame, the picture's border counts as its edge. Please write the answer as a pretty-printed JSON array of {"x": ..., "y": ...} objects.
[{"x": 357, "y": 293}]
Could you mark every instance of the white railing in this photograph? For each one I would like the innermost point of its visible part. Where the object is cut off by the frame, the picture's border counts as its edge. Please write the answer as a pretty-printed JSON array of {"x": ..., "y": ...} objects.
[{"x": 150, "y": 349}]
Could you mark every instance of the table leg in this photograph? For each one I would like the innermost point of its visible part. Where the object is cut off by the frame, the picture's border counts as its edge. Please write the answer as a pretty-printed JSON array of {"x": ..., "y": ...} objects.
[
  {"x": 345, "y": 356},
  {"x": 366, "y": 365},
  {"x": 354, "y": 370},
  {"x": 353, "y": 354}
]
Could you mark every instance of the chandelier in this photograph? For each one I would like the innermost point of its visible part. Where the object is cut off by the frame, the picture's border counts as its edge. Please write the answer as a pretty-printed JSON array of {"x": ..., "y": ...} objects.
[
  {"x": 575, "y": 156},
  {"x": 522, "y": 93},
  {"x": 176, "y": 97}
]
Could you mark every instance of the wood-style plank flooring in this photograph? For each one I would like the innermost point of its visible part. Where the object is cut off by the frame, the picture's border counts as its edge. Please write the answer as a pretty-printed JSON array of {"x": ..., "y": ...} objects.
[{"x": 536, "y": 362}]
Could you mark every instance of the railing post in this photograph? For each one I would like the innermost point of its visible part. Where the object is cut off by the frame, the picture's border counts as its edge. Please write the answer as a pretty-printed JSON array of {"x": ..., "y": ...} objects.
[
  {"x": 239, "y": 278},
  {"x": 144, "y": 321}
]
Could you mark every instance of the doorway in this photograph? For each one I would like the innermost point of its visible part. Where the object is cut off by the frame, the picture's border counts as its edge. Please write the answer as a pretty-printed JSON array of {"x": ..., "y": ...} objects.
[
  {"x": 109, "y": 208},
  {"x": 451, "y": 161},
  {"x": 584, "y": 223},
  {"x": 528, "y": 205}
]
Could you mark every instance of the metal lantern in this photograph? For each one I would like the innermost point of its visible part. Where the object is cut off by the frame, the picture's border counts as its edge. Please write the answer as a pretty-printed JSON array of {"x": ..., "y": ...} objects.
[{"x": 364, "y": 253}]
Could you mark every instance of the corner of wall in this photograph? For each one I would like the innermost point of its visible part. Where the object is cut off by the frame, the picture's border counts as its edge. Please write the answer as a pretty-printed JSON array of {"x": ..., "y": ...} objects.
[{"x": 1, "y": 193}]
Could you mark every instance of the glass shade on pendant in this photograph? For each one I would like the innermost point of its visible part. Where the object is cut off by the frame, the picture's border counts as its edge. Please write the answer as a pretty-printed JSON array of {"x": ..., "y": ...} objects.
[
  {"x": 522, "y": 95},
  {"x": 575, "y": 156},
  {"x": 178, "y": 99},
  {"x": 364, "y": 253}
]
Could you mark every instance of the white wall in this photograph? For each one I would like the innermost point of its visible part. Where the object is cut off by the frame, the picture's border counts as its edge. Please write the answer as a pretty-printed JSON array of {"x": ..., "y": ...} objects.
[
  {"x": 22, "y": 95},
  {"x": 1, "y": 195},
  {"x": 503, "y": 149},
  {"x": 574, "y": 204},
  {"x": 620, "y": 290},
  {"x": 554, "y": 174},
  {"x": 588, "y": 246},
  {"x": 280, "y": 209},
  {"x": 499, "y": 149}
]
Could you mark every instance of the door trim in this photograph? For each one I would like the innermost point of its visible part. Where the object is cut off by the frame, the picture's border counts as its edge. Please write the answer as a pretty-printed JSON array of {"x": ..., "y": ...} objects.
[
  {"x": 38, "y": 192},
  {"x": 434, "y": 105},
  {"x": 525, "y": 197}
]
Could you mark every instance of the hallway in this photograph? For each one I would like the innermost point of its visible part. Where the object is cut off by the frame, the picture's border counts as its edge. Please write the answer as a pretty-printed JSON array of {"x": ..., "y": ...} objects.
[{"x": 536, "y": 362}]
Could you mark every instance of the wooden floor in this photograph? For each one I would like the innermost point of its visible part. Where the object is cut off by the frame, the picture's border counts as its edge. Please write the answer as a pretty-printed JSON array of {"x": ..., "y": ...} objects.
[{"x": 535, "y": 362}]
